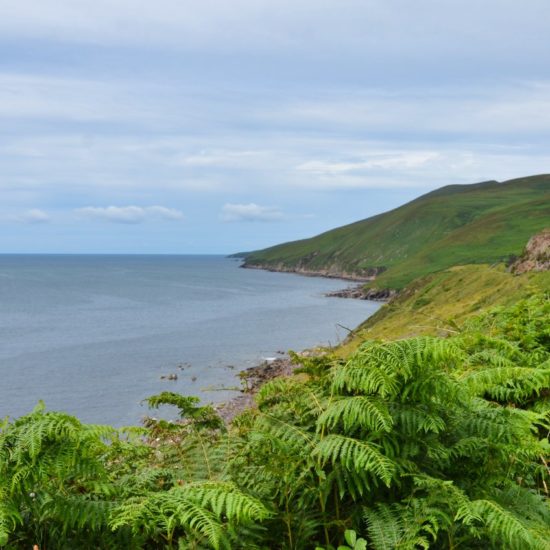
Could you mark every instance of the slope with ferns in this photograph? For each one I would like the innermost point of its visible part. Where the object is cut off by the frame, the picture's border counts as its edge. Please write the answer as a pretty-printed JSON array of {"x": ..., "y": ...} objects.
[{"x": 457, "y": 224}]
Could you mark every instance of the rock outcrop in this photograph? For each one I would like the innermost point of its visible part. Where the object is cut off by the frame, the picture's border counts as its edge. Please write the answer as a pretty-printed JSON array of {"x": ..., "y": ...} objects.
[
  {"x": 536, "y": 256},
  {"x": 362, "y": 293}
]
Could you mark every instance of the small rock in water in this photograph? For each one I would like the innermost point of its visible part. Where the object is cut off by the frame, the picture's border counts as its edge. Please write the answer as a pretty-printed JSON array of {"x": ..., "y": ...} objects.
[
  {"x": 171, "y": 376},
  {"x": 193, "y": 378}
]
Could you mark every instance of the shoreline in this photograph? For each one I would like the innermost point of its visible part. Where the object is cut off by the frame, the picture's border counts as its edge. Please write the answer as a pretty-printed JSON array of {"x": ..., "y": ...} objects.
[
  {"x": 359, "y": 292},
  {"x": 310, "y": 273},
  {"x": 254, "y": 378},
  {"x": 356, "y": 292}
]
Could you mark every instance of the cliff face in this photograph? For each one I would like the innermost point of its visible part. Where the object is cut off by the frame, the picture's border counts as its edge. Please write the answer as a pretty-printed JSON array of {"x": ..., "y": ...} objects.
[{"x": 536, "y": 256}]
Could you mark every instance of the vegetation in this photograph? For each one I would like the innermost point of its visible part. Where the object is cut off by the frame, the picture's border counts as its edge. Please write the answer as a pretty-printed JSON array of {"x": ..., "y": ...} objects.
[
  {"x": 424, "y": 442},
  {"x": 439, "y": 303},
  {"x": 458, "y": 224}
]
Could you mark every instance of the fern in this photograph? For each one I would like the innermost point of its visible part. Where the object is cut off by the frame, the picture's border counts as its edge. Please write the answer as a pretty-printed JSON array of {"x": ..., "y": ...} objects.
[
  {"x": 385, "y": 526},
  {"x": 384, "y": 369},
  {"x": 417, "y": 418},
  {"x": 10, "y": 518},
  {"x": 356, "y": 413},
  {"x": 501, "y": 525},
  {"x": 200, "y": 417},
  {"x": 202, "y": 508},
  {"x": 356, "y": 455},
  {"x": 508, "y": 383}
]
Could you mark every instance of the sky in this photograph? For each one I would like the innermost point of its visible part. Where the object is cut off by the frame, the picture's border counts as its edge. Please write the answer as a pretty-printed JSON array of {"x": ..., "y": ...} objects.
[{"x": 179, "y": 126}]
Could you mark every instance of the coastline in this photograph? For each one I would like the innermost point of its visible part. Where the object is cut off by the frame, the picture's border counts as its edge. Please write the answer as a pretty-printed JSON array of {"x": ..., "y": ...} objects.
[
  {"x": 254, "y": 378},
  {"x": 358, "y": 292},
  {"x": 327, "y": 274}
]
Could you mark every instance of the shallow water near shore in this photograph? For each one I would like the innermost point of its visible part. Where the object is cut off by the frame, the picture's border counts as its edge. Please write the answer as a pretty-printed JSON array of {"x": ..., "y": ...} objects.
[{"x": 92, "y": 335}]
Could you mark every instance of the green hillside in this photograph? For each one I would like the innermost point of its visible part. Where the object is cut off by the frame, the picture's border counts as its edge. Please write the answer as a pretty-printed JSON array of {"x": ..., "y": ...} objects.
[
  {"x": 457, "y": 224},
  {"x": 440, "y": 303}
]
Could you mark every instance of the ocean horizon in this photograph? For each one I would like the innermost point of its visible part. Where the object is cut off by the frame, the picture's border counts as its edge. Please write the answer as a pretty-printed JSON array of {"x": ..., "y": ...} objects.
[{"x": 92, "y": 334}]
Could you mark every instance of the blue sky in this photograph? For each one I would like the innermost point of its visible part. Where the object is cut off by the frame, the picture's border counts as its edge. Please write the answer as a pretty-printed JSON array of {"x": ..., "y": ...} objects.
[{"x": 181, "y": 126}]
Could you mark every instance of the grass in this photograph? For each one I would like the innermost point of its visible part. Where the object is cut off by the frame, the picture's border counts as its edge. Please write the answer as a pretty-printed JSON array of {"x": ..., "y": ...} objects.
[
  {"x": 438, "y": 304},
  {"x": 457, "y": 224}
]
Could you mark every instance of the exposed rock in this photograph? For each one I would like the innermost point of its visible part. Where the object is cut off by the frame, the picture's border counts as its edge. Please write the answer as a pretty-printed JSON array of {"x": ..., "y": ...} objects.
[
  {"x": 330, "y": 272},
  {"x": 361, "y": 293},
  {"x": 253, "y": 378},
  {"x": 169, "y": 376},
  {"x": 536, "y": 256}
]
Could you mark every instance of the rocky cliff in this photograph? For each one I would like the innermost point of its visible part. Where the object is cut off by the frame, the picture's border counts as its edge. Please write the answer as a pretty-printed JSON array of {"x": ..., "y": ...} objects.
[{"x": 536, "y": 256}]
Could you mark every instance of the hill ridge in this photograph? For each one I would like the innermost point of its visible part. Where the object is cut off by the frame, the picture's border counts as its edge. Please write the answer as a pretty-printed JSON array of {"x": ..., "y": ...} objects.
[{"x": 485, "y": 222}]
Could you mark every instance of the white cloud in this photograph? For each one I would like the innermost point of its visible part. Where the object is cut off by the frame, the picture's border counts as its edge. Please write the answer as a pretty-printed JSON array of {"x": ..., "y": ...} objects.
[
  {"x": 34, "y": 215},
  {"x": 225, "y": 158},
  {"x": 380, "y": 161},
  {"x": 42, "y": 97},
  {"x": 404, "y": 29},
  {"x": 250, "y": 213},
  {"x": 507, "y": 109},
  {"x": 130, "y": 214}
]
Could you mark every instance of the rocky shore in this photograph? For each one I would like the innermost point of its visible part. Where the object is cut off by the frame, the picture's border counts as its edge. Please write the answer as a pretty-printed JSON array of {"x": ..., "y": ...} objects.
[
  {"x": 360, "y": 293},
  {"x": 357, "y": 292},
  {"x": 253, "y": 379},
  {"x": 336, "y": 273}
]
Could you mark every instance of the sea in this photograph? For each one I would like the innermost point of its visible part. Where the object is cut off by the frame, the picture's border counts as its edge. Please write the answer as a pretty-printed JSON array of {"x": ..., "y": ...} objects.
[{"x": 94, "y": 335}]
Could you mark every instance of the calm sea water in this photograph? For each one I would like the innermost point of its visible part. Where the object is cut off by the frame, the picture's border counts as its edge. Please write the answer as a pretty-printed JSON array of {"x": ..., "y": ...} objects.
[{"x": 92, "y": 335}]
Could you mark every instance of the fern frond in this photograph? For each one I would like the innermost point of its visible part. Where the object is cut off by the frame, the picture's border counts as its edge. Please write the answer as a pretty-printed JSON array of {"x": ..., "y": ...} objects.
[
  {"x": 414, "y": 419},
  {"x": 502, "y": 526},
  {"x": 285, "y": 431},
  {"x": 524, "y": 502},
  {"x": 501, "y": 424},
  {"x": 358, "y": 412},
  {"x": 283, "y": 388},
  {"x": 508, "y": 383},
  {"x": 225, "y": 500},
  {"x": 383, "y": 369},
  {"x": 201, "y": 508},
  {"x": 356, "y": 455},
  {"x": 10, "y": 518},
  {"x": 78, "y": 512},
  {"x": 384, "y": 525}
]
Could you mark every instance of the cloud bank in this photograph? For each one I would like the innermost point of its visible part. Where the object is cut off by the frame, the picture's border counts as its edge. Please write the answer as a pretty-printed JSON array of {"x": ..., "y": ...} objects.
[
  {"x": 130, "y": 214},
  {"x": 34, "y": 215},
  {"x": 250, "y": 213}
]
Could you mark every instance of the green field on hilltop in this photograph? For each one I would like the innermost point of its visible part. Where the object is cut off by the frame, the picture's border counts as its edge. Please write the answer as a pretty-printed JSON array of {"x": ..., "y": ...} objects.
[{"x": 458, "y": 224}]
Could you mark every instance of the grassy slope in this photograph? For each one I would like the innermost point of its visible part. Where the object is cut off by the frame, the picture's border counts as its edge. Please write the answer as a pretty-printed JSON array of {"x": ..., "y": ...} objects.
[
  {"x": 456, "y": 224},
  {"x": 438, "y": 303}
]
